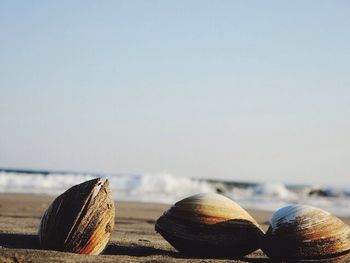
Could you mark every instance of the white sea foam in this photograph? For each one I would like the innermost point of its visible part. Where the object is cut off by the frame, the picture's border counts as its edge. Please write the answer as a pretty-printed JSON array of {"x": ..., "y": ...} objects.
[
  {"x": 51, "y": 184},
  {"x": 167, "y": 188}
]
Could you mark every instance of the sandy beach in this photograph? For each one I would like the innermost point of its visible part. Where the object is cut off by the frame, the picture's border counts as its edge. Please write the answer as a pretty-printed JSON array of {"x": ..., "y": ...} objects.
[{"x": 133, "y": 239}]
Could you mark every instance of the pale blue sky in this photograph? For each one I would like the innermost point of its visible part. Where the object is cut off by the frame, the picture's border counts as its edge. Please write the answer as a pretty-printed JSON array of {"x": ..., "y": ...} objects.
[{"x": 241, "y": 90}]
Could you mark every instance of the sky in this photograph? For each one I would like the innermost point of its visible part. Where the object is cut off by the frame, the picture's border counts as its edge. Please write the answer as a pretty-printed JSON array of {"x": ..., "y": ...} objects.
[{"x": 238, "y": 90}]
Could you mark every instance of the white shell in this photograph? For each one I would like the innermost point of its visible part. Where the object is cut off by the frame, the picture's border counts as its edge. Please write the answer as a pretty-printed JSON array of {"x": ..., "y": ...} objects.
[
  {"x": 306, "y": 233},
  {"x": 209, "y": 224}
]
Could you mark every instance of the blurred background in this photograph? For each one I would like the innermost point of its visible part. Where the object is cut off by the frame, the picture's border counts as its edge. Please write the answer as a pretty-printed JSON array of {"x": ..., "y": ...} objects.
[{"x": 250, "y": 99}]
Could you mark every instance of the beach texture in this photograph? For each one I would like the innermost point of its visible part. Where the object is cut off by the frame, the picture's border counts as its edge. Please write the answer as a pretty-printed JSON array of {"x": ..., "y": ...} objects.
[{"x": 133, "y": 239}]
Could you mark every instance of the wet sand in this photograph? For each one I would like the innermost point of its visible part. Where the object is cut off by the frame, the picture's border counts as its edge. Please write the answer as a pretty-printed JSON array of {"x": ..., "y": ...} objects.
[{"x": 133, "y": 239}]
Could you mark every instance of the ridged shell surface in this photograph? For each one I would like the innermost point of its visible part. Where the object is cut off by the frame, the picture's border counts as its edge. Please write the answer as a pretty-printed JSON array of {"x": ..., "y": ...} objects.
[
  {"x": 209, "y": 224},
  {"x": 300, "y": 233},
  {"x": 80, "y": 220}
]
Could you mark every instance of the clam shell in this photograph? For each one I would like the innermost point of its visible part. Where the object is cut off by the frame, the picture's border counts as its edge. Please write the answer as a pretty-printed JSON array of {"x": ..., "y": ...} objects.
[
  {"x": 209, "y": 224},
  {"x": 80, "y": 220},
  {"x": 302, "y": 233}
]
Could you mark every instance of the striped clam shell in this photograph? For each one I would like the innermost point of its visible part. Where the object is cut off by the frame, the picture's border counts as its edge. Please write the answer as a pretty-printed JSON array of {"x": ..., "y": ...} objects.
[
  {"x": 209, "y": 224},
  {"x": 300, "y": 233},
  {"x": 80, "y": 220}
]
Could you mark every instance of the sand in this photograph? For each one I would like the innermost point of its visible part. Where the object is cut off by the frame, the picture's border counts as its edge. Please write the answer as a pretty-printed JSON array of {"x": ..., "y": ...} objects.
[{"x": 133, "y": 239}]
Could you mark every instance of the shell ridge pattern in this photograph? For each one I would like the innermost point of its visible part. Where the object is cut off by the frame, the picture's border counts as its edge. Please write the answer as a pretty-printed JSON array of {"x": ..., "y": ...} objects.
[
  {"x": 93, "y": 215},
  {"x": 80, "y": 216},
  {"x": 95, "y": 218}
]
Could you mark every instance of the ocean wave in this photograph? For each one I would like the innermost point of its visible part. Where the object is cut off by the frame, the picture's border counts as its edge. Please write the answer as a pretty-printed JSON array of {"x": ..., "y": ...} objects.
[{"x": 167, "y": 188}]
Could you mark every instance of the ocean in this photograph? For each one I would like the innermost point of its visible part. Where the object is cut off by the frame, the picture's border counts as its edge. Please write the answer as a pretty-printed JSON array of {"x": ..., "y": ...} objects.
[{"x": 167, "y": 188}]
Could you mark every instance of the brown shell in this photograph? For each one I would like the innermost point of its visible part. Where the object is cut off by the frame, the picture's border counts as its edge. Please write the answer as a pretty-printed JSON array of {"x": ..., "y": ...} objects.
[
  {"x": 80, "y": 220},
  {"x": 209, "y": 224},
  {"x": 300, "y": 233}
]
